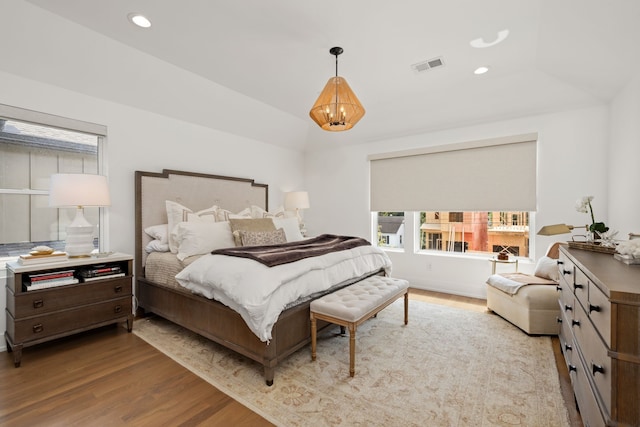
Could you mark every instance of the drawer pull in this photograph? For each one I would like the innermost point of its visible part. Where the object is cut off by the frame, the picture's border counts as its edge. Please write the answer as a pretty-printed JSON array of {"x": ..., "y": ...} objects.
[
  {"x": 559, "y": 320},
  {"x": 594, "y": 308},
  {"x": 577, "y": 286},
  {"x": 558, "y": 288},
  {"x": 117, "y": 289},
  {"x": 572, "y": 368},
  {"x": 38, "y": 328},
  {"x": 575, "y": 322},
  {"x": 566, "y": 271},
  {"x": 597, "y": 368},
  {"x": 560, "y": 262},
  {"x": 567, "y": 307},
  {"x": 567, "y": 347},
  {"x": 117, "y": 309},
  {"x": 38, "y": 303}
]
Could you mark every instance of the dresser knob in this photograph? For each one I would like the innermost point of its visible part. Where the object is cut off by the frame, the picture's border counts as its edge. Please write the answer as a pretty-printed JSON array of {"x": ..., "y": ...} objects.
[
  {"x": 577, "y": 286},
  {"x": 572, "y": 368},
  {"x": 38, "y": 328},
  {"x": 117, "y": 289},
  {"x": 38, "y": 303},
  {"x": 575, "y": 322},
  {"x": 567, "y": 347},
  {"x": 567, "y": 307},
  {"x": 117, "y": 309},
  {"x": 558, "y": 288},
  {"x": 593, "y": 308},
  {"x": 566, "y": 271},
  {"x": 597, "y": 368},
  {"x": 560, "y": 262},
  {"x": 559, "y": 320}
]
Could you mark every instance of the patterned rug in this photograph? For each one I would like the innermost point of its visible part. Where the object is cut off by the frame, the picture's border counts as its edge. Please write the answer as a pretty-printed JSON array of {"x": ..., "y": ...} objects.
[{"x": 447, "y": 367}]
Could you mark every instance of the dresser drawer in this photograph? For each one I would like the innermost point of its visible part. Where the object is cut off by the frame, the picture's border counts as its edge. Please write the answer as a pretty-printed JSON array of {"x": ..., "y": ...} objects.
[
  {"x": 41, "y": 327},
  {"x": 599, "y": 309},
  {"x": 587, "y": 403},
  {"x": 34, "y": 303},
  {"x": 581, "y": 287},
  {"x": 595, "y": 355},
  {"x": 565, "y": 336}
]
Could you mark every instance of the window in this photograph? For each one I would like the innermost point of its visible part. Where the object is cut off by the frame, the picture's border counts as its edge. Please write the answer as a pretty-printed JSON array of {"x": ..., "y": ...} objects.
[
  {"x": 32, "y": 148},
  {"x": 390, "y": 229},
  {"x": 475, "y": 232}
]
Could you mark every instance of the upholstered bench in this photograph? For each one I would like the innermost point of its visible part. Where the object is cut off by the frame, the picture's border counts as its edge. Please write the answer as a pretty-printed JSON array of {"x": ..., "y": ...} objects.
[
  {"x": 352, "y": 305},
  {"x": 528, "y": 301}
]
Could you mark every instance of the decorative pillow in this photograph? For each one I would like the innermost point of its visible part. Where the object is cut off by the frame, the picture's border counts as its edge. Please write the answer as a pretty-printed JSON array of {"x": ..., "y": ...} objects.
[
  {"x": 159, "y": 232},
  {"x": 250, "y": 224},
  {"x": 258, "y": 212},
  {"x": 262, "y": 238},
  {"x": 176, "y": 213},
  {"x": 157, "y": 246},
  {"x": 226, "y": 215},
  {"x": 291, "y": 228},
  {"x": 201, "y": 237},
  {"x": 547, "y": 268}
]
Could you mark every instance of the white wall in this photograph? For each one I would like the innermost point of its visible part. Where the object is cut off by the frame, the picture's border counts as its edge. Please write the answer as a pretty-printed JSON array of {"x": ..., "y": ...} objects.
[
  {"x": 624, "y": 161},
  {"x": 572, "y": 162}
]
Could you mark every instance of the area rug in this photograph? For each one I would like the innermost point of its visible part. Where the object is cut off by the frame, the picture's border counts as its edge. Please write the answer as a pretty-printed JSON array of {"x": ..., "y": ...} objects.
[{"x": 447, "y": 367}]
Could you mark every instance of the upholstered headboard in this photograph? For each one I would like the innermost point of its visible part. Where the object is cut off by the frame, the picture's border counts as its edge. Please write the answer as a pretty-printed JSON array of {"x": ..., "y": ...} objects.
[{"x": 196, "y": 191}]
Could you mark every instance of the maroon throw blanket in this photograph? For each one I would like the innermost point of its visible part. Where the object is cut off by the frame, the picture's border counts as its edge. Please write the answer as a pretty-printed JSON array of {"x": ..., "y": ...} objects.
[{"x": 273, "y": 255}]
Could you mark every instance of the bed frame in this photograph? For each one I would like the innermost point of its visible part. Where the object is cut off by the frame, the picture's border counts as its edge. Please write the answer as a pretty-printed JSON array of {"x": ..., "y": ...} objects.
[{"x": 206, "y": 317}]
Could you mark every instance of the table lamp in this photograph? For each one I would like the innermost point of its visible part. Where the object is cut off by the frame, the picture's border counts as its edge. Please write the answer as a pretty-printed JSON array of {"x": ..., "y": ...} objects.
[
  {"x": 295, "y": 201},
  {"x": 552, "y": 230},
  {"x": 79, "y": 190}
]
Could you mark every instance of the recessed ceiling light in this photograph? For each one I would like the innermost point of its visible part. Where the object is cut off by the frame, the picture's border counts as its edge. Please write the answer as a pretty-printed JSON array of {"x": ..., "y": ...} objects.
[
  {"x": 139, "y": 20},
  {"x": 479, "y": 43},
  {"x": 481, "y": 70}
]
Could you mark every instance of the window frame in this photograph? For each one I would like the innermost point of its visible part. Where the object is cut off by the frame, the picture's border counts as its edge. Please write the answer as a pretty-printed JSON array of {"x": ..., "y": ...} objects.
[{"x": 8, "y": 112}]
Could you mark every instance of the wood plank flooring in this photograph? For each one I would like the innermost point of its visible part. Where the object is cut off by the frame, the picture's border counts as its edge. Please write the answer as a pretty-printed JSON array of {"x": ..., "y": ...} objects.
[{"x": 108, "y": 377}]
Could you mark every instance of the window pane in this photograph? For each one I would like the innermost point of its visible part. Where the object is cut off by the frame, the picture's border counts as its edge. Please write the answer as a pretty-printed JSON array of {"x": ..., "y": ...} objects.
[
  {"x": 29, "y": 155},
  {"x": 390, "y": 229},
  {"x": 475, "y": 232}
]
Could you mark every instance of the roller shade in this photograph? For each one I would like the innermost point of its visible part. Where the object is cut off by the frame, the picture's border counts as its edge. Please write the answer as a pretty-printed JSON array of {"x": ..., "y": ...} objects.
[{"x": 489, "y": 175}]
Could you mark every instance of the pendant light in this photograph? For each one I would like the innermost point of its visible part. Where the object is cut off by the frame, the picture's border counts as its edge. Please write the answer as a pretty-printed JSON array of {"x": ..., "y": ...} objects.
[{"x": 337, "y": 108}]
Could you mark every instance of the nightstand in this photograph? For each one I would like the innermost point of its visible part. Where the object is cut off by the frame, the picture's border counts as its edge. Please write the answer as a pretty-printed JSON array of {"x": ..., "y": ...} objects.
[{"x": 102, "y": 296}]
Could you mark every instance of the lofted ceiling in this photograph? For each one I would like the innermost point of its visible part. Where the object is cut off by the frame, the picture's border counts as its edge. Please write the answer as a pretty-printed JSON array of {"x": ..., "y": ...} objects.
[{"x": 558, "y": 54}]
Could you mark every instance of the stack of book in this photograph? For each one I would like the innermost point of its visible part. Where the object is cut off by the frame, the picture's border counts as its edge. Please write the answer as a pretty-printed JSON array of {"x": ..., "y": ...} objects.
[
  {"x": 51, "y": 279},
  {"x": 36, "y": 258},
  {"x": 99, "y": 272}
]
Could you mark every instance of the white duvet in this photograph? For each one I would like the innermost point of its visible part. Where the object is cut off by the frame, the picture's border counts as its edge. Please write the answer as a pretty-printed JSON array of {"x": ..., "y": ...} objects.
[{"x": 260, "y": 293}]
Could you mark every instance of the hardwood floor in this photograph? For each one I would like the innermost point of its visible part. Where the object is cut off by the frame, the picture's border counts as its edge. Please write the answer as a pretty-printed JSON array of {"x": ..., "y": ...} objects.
[{"x": 108, "y": 377}]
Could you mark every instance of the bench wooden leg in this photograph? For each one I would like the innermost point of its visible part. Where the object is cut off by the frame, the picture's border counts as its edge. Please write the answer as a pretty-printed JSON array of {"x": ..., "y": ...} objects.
[
  {"x": 313, "y": 337},
  {"x": 406, "y": 308},
  {"x": 352, "y": 349}
]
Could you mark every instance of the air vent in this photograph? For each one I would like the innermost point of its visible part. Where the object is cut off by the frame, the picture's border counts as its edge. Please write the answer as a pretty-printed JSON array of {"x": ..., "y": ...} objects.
[{"x": 428, "y": 64}]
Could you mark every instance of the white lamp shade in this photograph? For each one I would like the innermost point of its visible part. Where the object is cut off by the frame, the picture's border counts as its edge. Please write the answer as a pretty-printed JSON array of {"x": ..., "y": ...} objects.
[
  {"x": 78, "y": 189},
  {"x": 296, "y": 200}
]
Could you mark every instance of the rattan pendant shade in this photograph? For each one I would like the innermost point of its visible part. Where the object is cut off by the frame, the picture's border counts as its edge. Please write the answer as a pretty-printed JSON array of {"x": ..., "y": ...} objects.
[{"x": 337, "y": 108}]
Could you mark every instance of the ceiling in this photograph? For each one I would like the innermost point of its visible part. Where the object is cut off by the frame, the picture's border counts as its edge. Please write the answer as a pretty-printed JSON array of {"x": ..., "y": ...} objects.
[{"x": 557, "y": 56}]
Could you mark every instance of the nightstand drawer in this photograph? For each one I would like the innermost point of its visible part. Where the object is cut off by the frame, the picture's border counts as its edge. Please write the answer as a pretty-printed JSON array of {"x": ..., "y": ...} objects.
[
  {"x": 41, "y": 327},
  {"x": 35, "y": 303}
]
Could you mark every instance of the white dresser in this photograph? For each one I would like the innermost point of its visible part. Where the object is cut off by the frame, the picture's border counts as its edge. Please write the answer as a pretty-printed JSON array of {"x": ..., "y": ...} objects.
[{"x": 600, "y": 335}]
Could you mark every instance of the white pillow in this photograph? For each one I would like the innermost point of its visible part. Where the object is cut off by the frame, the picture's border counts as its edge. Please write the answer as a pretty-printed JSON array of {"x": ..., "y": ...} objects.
[
  {"x": 201, "y": 237},
  {"x": 547, "y": 268},
  {"x": 156, "y": 246},
  {"x": 258, "y": 212},
  {"x": 159, "y": 232},
  {"x": 176, "y": 213},
  {"x": 225, "y": 215},
  {"x": 291, "y": 228}
]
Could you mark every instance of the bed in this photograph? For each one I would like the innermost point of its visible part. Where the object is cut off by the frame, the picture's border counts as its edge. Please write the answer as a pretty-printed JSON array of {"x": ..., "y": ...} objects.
[{"x": 158, "y": 292}]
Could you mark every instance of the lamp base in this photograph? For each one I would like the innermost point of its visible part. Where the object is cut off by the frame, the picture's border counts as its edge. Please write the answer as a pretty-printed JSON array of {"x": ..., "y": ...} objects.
[{"x": 79, "y": 242}]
